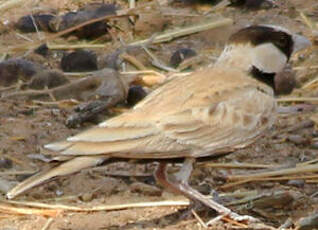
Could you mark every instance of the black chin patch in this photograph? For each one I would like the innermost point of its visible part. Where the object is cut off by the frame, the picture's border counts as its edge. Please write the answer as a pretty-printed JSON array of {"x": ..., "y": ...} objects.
[
  {"x": 282, "y": 83},
  {"x": 267, "y": 78},
  {"x": 258, "y": 35}
]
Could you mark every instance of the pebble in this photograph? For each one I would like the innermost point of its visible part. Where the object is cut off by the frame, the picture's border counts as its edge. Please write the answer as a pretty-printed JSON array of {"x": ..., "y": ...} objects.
[
  {"x": 48, "y": 79},
  {"x": 5, "y": 163},
  {"x": 180, "y": 55},
  {"x": 27, "y": 23},
  {"x": 135, "y": 94},
  {"x": 79, "y": 61}
]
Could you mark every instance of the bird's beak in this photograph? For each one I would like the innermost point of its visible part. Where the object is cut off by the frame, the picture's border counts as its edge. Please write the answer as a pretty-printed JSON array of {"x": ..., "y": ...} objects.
[{"x": 300, "y": 43}]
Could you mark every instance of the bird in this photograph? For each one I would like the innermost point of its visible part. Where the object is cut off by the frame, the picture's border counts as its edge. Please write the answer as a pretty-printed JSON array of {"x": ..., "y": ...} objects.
[{"x": 217, "y": 109}]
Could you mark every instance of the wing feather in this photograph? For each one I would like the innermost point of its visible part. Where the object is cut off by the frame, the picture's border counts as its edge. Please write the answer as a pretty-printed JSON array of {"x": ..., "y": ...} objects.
[
  {"x": 228, "y": 115},
  {"x": 223, "y": 125}
]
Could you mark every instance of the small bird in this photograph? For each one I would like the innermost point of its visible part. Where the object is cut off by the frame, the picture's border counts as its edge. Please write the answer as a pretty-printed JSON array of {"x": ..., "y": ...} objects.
[{"x": 216, "y": 110}]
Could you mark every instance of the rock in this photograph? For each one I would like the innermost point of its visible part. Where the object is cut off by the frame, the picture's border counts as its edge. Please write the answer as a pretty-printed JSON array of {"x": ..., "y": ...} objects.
[
  {"x": 48, "y": 79},
  {"x": 79, "y": 61},
  {"x": 180, "y": 55},
  {"x": 89, "y": 12},
  {"x": 135, "y": 94},
  {"x": 16, "y": 69},
  {"x": 39, "y": 22}
]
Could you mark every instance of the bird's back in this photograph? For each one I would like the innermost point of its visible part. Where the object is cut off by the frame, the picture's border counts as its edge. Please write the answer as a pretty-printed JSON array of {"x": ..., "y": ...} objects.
[{"x": 200, "y": 114}]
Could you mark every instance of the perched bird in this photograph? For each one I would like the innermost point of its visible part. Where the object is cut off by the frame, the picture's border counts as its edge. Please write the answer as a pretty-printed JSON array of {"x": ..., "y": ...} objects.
[{"x": 215, "y": 110}]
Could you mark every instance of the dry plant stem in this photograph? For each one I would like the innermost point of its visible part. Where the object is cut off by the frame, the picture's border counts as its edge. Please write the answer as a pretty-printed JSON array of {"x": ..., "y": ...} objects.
[
  {"x": 233, "y": 184},
  {"x": 289, "y": 171},
  {"x": 8, "y": 88},
  {"x": 220, "y": 6},
  {"x": 77, "y": 46},
  {"x": 233, "y": 222},
  {"x": 70, "y": 102},
  {"x": 47, "y": 224},
  {"x": 24, "y": 172},
  {"x": 155, "y": 61},
  {"x": 168, "y": 36},
  {"x": 297, "y": 99},
  {"x": 310, "y": 84},
  {"x": 132, "y": 60},
  {"x": 304, "y": 177},
  {"x": 4, "y": 208},
  {"x": 199, "y": 219},
  {"x": 61, "y": 207},
  {"x": 78, "y": 74},
  {"x": 305, "y": 67},
  {"x": 307, "y": 162},
  {"x": 6, "y": 5},
  {"x": 143, "y": 72},
  {"x": 312, "y": 181},
  {"x": 306, "y": 20},
  {"x": 238, "y": 166}
]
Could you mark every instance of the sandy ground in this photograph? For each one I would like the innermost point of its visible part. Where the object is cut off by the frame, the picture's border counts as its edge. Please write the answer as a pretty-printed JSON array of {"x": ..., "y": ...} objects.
[{"x": 26, "y": 126}]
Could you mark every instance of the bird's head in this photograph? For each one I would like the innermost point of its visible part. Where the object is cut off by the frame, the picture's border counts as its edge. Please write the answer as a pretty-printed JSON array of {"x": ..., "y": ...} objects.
[{"x": 262, "y": 50}]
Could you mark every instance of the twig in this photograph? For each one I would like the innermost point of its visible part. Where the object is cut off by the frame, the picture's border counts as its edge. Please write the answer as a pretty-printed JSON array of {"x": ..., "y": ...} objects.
[
  {"x": 132, "y": 60},
  {"x": 199, "y": 219},
  {"x": 306, "y": 20},
  {"x": 155, "y": 61},
  {"x": 143, "y": 72},
  {"x": 78, "y": 74},
  {"x": 76, "y": 46},
  {"x": 24, "y": 172},
  {"x": 238, "y": 165},
  {"x": 233, "y": 184},
  {"x": 310, "y": 84},
  {"x": 60, "y": 207},
  {"x": 304, "y": 177},
  {"x": 47, "y": 224},
  {"x": 305, "y": 67},
  {"x": 288, "y": 171},
  {"x": 10, "y": 4},
  {"x": 28, "y": 211},
  {"x": 233, "y": 222},
  {"x": 297, "y": 99},
  {"x": 168, "y": 36}
]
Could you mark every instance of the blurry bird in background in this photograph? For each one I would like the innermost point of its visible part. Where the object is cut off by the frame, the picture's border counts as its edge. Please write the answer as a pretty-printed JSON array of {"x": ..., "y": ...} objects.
[{"x": 212, "y": 111}]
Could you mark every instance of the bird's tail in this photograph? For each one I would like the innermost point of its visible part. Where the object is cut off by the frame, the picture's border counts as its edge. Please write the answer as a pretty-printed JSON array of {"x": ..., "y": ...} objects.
[{"x": 69, "y": 167}]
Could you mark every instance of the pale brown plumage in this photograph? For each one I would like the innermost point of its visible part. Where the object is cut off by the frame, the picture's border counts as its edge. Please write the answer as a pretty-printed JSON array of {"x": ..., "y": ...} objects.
[{"x": 214, "y": 110}]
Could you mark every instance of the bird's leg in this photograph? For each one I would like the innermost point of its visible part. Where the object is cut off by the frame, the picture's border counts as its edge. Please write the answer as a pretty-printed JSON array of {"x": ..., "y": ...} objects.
[{"x": 180, "y": 185}]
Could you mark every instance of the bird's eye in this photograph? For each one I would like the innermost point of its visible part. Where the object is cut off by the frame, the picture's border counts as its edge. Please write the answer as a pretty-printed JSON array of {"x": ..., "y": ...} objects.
[{"x": 281, "y": 42}]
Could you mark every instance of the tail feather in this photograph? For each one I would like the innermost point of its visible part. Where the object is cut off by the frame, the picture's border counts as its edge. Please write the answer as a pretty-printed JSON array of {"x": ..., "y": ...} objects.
[{"x": 69, "y": 167}]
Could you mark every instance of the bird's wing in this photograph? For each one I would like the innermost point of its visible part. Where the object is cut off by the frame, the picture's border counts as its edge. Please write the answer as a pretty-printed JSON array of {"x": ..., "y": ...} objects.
[
  {"x": 197, "y": 121},
  {"x": 222, "y": 126}
]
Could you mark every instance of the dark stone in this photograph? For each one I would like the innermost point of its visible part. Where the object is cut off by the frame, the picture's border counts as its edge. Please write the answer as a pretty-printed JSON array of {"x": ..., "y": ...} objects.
[
  {"x": 42, "y": 21},
  {"x": 42, "y": 50},
  {"x": 135, "y": 94},
  {"x": 79, "y": 61},
  {"x": 49, "y": 79},
  {"x": 5, "y": 163},
  {"x": 16, "y": 69},
  {"x": 180, "y": 55},
  {"x": 87, "y": 13}
]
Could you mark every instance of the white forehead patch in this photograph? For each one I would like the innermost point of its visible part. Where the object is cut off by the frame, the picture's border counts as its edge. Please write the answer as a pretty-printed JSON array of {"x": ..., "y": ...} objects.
[{"x": 268, "y": 58}]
